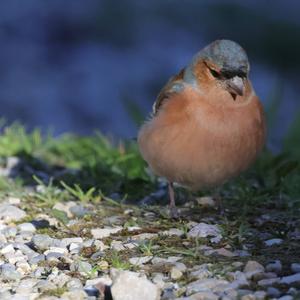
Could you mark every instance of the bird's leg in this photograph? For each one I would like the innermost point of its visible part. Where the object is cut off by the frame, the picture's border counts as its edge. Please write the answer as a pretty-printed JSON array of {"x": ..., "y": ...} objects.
[{"x": 173, "y": 209}]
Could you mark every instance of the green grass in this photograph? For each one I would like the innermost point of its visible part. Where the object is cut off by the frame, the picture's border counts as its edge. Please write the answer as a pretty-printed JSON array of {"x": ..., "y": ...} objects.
[{"x": 91, "y": 168}]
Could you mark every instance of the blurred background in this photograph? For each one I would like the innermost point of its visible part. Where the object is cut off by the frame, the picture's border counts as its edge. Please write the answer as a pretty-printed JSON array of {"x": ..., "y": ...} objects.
[{"x": 78, "y": 66}]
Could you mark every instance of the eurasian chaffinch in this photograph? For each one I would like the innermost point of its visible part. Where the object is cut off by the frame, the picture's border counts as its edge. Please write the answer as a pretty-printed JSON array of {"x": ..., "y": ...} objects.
[{"x": 207, "y": 124}]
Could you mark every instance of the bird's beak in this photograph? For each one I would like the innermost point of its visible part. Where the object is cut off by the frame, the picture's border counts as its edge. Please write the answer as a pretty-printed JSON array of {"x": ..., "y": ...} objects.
[{"x": 235, "y": 85}]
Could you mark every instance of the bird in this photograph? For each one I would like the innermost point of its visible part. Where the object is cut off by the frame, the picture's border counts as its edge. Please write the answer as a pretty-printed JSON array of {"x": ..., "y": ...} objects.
[{"x": 207, "y": 124}]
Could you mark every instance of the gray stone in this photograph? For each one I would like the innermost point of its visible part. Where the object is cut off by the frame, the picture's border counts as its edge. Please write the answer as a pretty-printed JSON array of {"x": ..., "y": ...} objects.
[
  {"x": 45, "y": 285},
  {"x": 175, "y": 273},
  {"x": 79, "y": 211},
  {"x": 11, "y": 213},
  {"x": 273, "y": 292},
  {"x": 295, "y": 267},
  {"x": 52, "y": 255},
  {"x": 203, "y": 230},
  {"x": 36, "y": 259},
  {"x": 274, "y": 266},
  {"x": 42, "y": 241},
  {"x": 26, "y": 227},
  {"x": 268, "y": 282},
  {"x": 273, "y": 242},
  {"x": 253, "y": 265},
  {"x": 138, "y": 261},
  {"x": 100, "y": 233},
  {"x": 7, "y": 249},
  {"x": 8, "y": 272},
  {"x": 25, "y": 286},
  {"x": 253, "y": 269},
  {"x": 130, "y": 286},
  {"x": 97, "y": 255},
  {"x": 68, "y": 241},
  {"x": 206, "y": 201},
  {"x": 260, "y": 295},
  {"x": 81, "y": 266},
  {"x": 286, "y": 297},
  {"x": 201, "y": 296},
  {"x": 239, "y": 280},
  {"x": 74, "y": 283},
  {"x": 173, "y": 231},
  {"x": 204, "y": 285},
  {"x": 295, "y": 278}
]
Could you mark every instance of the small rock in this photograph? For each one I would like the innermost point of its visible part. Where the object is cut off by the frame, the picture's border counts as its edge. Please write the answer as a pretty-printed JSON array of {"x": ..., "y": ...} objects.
[
  {"x": 239, "y": 280},
  {"x": 56, "y": 250},
  {"x": 204, "y": 285},
  {"x": 117, "y": 245},
  {"x": 130, "y": 286},
  {"x": 45, "y": 285},
  {"x": 206, "y": 201},
  {"x": 23, "y": 267},
  {"x": 248, "y": 297},
  {"x": 201, "y": 272},
  {"x": 173, "y": 231},
  {"x": 273, "y": 242},
  {"x": 175, "y": 273},
  {"x": 253, "y": 268},
  {"x": 81, "y": 266},
  {"x": 67, "y": 241},
  {"x": 295, "y": 267},
  {"x": 268, "y": 282},
  {"x": 74, "y": 295},
  {"x": 9, "y": 232},
  {"x": 274, "y": 266},
  {"x": 11, "y": 213},
  {"x": 220, "y": 251},
  {"x": 144, "y": 236},
  {"x": 290, "y": 279},
  {"x": 79, "y": 211},
  {"x": 180, "y": 266},
  {"x": 25, "y": 286},
  {"x": 7, "y": 249},
  {"x": 75, "y": 248},
  {"x": 201, "y": 296},
  {"x": 273, "y": 292},
  {"x": 54, "y": 256},
  {"x": 14, "y": 200},
  {"x": 170, "y": 260},
  {"x": 253, "y": 265},
  {"x": 97, "y": 255},
  {"x": 42, "y": 241},
  {"x": 26, "y": 227},
  {"x": 286, "y": 297},
  {"x": 138, "y": 261},
  {"x": 36, "y": 259},
  {"x": 100, "y": 233},
  {"x": 159, "y": 279},
  {"x": 106, "y": 280},
  {"x": 260, "y": 295},
  {"x": 74, "y": 284},
  {"x": 8, "y": 272},
  {"x": 206, "y": 230}
]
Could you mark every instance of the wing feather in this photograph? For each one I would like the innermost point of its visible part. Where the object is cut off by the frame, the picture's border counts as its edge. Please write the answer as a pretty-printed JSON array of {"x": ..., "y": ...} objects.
[{"x": 174, "y": 85}]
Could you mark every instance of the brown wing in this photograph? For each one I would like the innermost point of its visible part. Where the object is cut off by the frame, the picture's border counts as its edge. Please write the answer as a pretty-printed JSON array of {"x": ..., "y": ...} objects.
[{"x": 174, "y": 85}]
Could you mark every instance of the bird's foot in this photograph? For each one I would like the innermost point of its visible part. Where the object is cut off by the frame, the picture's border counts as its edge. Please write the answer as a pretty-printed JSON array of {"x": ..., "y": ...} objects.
[{"x": 174, "y": 214}]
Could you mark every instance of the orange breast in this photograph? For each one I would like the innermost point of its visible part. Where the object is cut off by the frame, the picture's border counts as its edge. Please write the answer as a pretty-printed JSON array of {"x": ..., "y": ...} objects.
[{"x": 197, "y": 144}]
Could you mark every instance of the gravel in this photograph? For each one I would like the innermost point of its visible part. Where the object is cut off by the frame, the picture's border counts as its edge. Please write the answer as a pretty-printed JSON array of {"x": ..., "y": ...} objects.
[{"x": 44, "y": 258}]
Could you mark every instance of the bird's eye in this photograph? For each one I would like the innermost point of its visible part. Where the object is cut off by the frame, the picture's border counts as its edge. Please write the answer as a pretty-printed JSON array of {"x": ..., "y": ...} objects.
[{"x": 215, "y": 73}]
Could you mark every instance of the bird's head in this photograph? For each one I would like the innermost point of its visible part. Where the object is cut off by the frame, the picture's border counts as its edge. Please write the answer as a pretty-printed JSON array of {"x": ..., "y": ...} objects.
[{"x": 223, "y": 62}]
